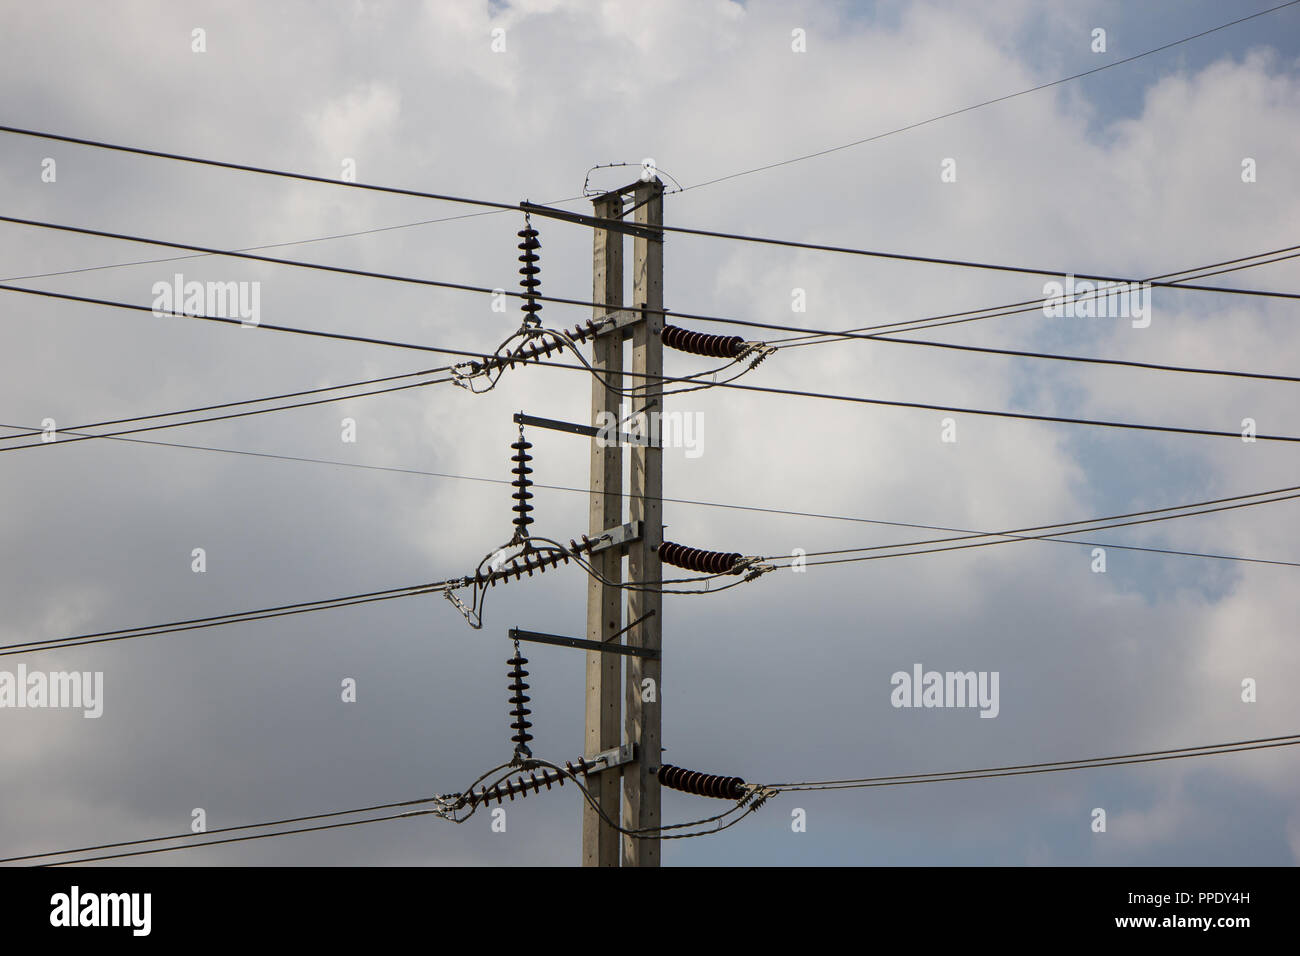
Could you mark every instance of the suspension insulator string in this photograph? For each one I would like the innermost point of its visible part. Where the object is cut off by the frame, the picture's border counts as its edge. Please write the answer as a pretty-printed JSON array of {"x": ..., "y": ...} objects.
[
  {"x": 522, "y": 785},
  {"x": 518, "y": 699},
  {"x": 529, "y": 271},
  {"x": 522, "y": 483}
]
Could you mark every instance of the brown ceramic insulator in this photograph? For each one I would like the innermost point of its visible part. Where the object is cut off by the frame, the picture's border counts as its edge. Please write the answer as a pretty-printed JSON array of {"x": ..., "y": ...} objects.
[
  {"x": 697, "y": 559},
  {"x": 702, "y": 343},
  {"x": 701, "y": 784}
]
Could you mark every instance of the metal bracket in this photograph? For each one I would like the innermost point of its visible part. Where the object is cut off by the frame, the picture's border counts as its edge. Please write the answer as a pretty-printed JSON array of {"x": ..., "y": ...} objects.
[
  {"x": 536, "y": 637},
  {"x": 573, "y": 428},
  {"x": 613, "y": 225},
  {"x": 623, "y": 319},
  {"x": 614, "y": 757},
  {"x": 619, "y": 537},
  {"x": 589, "y": 430}
]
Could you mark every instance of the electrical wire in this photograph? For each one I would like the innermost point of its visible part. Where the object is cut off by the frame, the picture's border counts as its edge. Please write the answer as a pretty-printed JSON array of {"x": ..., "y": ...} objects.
[
  {"x": 563, "y": 215},
  {"x": 749, "y": 574},
  {"x": 804, "y": 333},
  {"x": 971, "y": 264},
  {"x": 35, "y": 432},
  {"x": 758, "y": 509},
  {"x": 1014, "y": 538},
  {"x": 585, "y": 303},
  {"x": 1152, "y": 756},
  {"x": 1086, "y": 763},
  {"x": 1236, "y": 500},
  {"x": 1025, "y": 306},
  {"x": 999, "y": 99},
  {"x": 641, "y": 833},
  {"x": 268, "y": 260},
  {"x": 79, "y": 435},
  {"x": 90, "y": 300},
  {"x": 276, "y": 245},
  {"x": 233, "y": 617},
  {"x": 246, "y": 168},
  {"x": 1026, "y": 416},
  {"x": 854, "y": 399},
  {"x": 232, "y": 829}
]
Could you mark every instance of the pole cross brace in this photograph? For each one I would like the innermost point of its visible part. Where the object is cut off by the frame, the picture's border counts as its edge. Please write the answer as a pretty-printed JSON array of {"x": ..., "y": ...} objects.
[
  {"x": 516, "y": 634},
  {"x": 575, "y": 428}
]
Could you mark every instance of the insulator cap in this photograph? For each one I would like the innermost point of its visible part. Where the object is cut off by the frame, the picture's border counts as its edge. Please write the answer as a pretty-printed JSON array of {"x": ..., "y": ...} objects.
[
  {"x": 696, "y": 559},
  {"x": 701, "y": 784},
  {"x": 702, "y": 343}
]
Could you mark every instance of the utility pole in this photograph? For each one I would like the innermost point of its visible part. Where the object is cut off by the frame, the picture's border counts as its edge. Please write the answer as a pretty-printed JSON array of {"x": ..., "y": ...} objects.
[
  {"x": 644, "y": 607},
  {"x": 618, "y": 831},
  {"x": 600, "y": 844}
]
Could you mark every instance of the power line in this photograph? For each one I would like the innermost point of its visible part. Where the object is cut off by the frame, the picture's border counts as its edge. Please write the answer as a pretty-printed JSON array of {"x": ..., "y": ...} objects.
[
  {"x": 861, "y": 400},
  {"x": 1069, "y": 524},
  {"x": 999, "y": 99},
  {"x": 81, "y": 436},
  {"x": 262, "y": 170},
  {"x": 853, "y": 399},
  {"x": 484, "y": 290},
  {"x": 1033, "y": 305},
  {"x": 757, "y": 508},
  {"x": 1086, "y": 763},
  {"x": 326, "y": 604},
  {"x": 1011, "y": 536},
  {"x": 815, "y": 336},
  {"x": 366, "y": 340},
  {"x": 557, "y": 202},
  {"x": 971, "y": 264},
  {"x": 233, "y": 829},
  {"x": 242, "y": 839},
  {"x": 269, "y": 260},
  {"x": 207, "y": 408},
  {"x": 233, "y": 617},
  {"x": 803, "y": 331},
  {"x": 1151, "y": 756},
  {"x": 748, "y": 804},
  {"x": 275, "y": 245}
]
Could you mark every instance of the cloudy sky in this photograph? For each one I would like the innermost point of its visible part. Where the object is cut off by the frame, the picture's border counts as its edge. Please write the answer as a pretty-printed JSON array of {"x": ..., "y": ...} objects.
[{"x": 1136, "y": 171}]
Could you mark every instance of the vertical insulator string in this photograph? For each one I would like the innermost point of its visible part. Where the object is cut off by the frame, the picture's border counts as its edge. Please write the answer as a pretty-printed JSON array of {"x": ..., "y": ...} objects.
[
  {"x": 522, "y": 483},
  {"x": 518, "y": 699},
  {"x": 529, "y": 271}
]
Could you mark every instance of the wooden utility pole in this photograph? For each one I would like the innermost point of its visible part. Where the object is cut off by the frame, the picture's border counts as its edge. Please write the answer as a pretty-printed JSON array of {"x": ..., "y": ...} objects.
[
  {"x": 645, "y": 496},
  {"x": 600, "y": 843}
]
